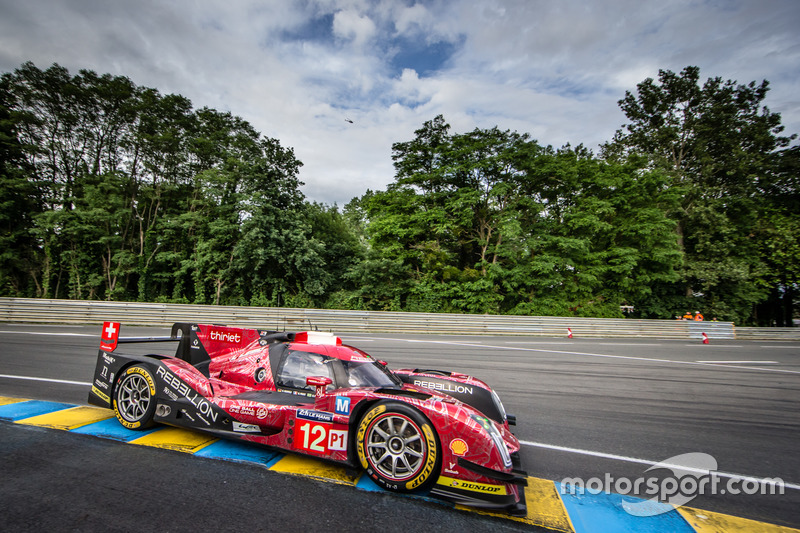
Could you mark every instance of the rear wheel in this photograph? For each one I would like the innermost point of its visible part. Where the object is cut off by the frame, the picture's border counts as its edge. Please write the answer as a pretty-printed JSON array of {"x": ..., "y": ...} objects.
[
  {"x": 398, "y": 448},
  {"x": 135, "y": 398}
]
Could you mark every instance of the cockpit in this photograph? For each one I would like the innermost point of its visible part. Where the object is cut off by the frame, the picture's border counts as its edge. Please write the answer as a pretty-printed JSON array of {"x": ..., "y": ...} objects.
[{"x": 297, "y": 365}]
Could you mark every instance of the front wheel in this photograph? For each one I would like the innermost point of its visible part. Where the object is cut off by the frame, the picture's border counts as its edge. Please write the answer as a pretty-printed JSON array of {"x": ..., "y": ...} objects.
[
  {"x": 398, "y": 448},
  {"x": 135, "y": 398}
]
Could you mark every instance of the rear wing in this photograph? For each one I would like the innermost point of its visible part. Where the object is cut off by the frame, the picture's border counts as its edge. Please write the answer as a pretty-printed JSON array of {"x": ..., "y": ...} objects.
[{"x": 194, "y": 339}]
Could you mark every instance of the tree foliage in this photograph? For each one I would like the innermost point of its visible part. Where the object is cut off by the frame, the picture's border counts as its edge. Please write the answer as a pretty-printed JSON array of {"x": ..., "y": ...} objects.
[
  {"x": 492, "y": 222},
  {"x": 114, "y": 191},
  {"x": 723, "y": 150}
]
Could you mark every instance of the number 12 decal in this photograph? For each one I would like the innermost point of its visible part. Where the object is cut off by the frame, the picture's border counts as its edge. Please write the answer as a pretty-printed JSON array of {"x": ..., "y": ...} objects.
[{"x": 320, "y": 438}]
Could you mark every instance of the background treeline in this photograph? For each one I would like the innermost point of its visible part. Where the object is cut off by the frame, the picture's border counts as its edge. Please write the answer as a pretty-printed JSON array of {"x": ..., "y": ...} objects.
[{"x": 114, "y": 191}]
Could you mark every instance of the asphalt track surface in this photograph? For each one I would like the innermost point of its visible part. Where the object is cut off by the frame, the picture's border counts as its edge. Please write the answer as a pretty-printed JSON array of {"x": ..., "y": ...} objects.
[{"x": 587, "y": 408}]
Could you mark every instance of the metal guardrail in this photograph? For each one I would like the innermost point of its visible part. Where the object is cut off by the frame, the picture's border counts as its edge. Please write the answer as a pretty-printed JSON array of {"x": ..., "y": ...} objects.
[
  {"x": 768, "y": 334},
  {"x": 34, "y": 310},
  {"x": 155, "y": 314}
]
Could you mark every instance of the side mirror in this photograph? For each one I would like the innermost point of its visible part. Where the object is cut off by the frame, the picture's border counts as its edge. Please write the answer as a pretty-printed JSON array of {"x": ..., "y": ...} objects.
[
  {"x": 383, "y": 363},
  {"x": 320, "y": 383}
]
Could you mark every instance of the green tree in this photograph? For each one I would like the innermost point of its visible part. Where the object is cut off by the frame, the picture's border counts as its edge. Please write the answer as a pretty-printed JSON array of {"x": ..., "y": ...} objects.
[
  {"x": 597, "y": 238},
  {"x": 718, "y": 143},
  {"x": 115, "y": 191},
  {"x": 778, "y": 238},
  {"x": 490, "y": 221},
  {"x": 20, "y": 201},
  {"x": 71, "y": 129}
]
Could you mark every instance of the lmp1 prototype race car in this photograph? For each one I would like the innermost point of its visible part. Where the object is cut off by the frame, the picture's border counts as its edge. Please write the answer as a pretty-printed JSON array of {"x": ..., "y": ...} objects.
[{"x": 440, "y": 433}]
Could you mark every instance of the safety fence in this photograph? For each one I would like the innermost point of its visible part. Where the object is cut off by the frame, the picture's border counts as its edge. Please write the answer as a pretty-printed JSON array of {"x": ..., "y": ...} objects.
[
  {"x": 34, "y": 310},
  {"x": 768, "y": 334}
]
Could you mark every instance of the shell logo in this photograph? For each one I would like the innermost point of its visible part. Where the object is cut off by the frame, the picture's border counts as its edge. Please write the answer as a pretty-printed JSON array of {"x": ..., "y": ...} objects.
[{"x": 458, "y": 447}]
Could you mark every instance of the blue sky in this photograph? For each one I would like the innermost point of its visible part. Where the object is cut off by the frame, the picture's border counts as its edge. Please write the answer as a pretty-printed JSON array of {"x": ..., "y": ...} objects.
[{"x": 297, "y": 69}]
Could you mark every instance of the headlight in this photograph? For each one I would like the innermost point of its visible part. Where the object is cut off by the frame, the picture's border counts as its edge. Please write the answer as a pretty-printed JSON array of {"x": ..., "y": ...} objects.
[{"x": 497, "y": 438}]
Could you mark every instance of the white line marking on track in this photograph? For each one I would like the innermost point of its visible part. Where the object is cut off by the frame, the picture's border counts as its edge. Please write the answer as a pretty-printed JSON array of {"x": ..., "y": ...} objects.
[
  {"x": 578, "y": 344},
  {"x": 52, "y": 334},
  {"x": 541, "y": 343},
  {"x": 629, "y": 344},
  {"x": 31, "y": 378},
  {"x": 602, "y": 455},
  {"x": 741, "y": 362},
  {"x": 784, "y": 347},
  {"x": 42, "y": 325},
  {"x": 717, "y": 346}
]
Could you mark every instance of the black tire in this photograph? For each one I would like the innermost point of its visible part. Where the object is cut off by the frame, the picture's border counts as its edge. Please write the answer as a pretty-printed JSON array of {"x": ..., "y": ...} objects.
[
  {"x": 398, "y": 447},
  {"x": 135, "y": 398}
]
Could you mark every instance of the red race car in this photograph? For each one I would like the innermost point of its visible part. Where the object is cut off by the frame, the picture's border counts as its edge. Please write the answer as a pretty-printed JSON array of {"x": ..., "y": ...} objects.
[{"x": 429, "y": 431}]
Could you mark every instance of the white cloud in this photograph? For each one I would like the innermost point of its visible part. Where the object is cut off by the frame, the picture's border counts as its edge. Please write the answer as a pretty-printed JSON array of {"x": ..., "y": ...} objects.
[
  {"x": 296, "y": 70},
  {"x": 352, "y": 26},
  {"x": 411, "y": 18}
]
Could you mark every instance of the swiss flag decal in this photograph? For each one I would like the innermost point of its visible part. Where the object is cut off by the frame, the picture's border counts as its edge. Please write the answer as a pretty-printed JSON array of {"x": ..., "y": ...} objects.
[{"x": 109, "y": 336}]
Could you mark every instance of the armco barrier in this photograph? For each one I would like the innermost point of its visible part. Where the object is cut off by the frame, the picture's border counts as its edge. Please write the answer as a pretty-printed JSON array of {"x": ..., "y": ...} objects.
[
  {"x": 34, "y": 310},
  {"x": 769, "y": 334}
]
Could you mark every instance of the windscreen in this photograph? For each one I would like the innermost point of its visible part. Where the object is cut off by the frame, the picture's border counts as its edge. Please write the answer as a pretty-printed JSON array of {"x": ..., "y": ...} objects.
[{"x": 368, "y": 374}]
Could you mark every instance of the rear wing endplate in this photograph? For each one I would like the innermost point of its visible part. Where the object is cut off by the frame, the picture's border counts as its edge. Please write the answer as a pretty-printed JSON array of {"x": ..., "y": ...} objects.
[{"x": 109, "y": 337}]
